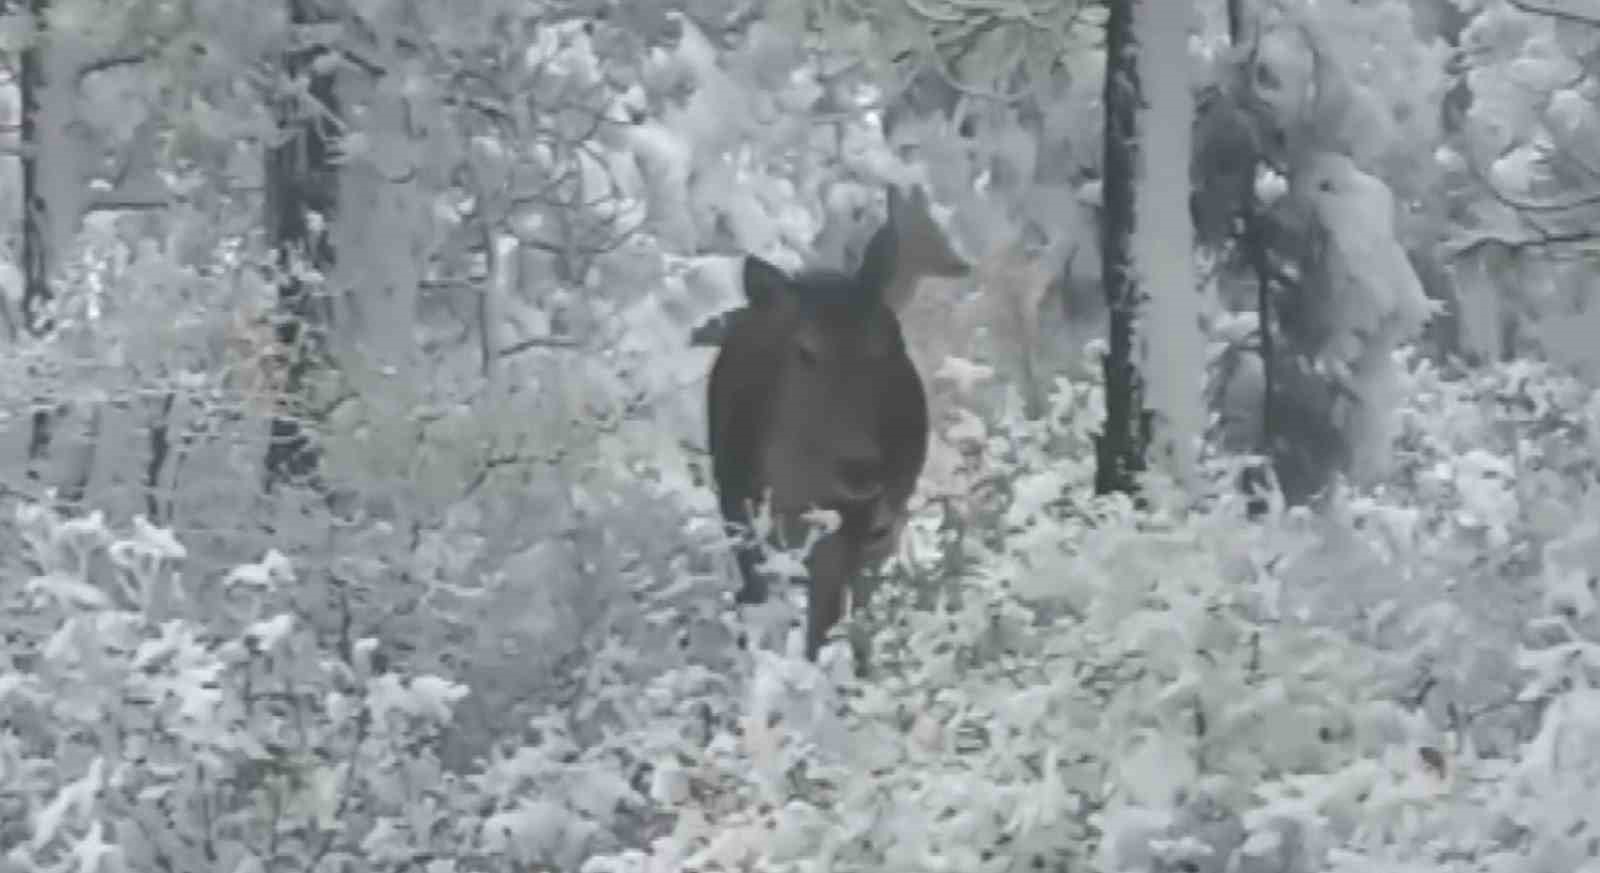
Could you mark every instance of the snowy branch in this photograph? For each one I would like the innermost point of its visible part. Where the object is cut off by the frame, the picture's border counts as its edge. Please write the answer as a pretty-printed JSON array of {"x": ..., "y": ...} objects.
[
  {"x": 111, "y": 62},
  {"x": 146, "y": 193},
  {"x": 1557, "y": 13},
  {"x": 539, "y": 342},
  {"x": 112, "y": 202},
  {"x": 1468, "y": 244}
]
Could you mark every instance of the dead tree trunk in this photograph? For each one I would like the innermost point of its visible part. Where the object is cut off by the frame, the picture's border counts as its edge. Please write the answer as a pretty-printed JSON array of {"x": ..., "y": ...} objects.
[
  {"x": 1121, "y": 445},
  {"x": 301, "y": 200}
]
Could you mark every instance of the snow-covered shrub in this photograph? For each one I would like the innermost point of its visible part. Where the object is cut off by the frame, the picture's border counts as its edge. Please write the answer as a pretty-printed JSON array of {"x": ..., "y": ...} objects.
[
  {"x": 144, "y": 733},
  {"x": 1095, "y": 687}
]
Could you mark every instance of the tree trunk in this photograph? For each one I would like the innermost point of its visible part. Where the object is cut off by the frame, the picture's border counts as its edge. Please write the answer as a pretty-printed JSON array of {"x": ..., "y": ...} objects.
[
  {"x": 301, "y": 181},
  {"x": 36, "y": 292},
  {"x": 1120, "y": 447},
  {"x": 1254, "y": 479}
]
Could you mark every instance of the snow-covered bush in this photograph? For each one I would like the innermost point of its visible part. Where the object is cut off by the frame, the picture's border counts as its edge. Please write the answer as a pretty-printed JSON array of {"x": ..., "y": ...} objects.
[
  {"x": 143, "y": 732},
  {"x": 1102, "y": 688}
]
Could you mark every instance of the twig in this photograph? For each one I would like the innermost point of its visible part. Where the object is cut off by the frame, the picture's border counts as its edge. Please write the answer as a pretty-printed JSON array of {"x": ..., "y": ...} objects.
[{"x": 539, "y": 342}]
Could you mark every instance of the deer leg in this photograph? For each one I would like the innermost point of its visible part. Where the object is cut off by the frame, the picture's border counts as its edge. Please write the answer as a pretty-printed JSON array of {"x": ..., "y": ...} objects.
[
  {"x": 869, "y": 575},
  {"x": 835, "y": 563},
  {"x": 754, "y": 584},
  {"x": 866, "y": 584}
]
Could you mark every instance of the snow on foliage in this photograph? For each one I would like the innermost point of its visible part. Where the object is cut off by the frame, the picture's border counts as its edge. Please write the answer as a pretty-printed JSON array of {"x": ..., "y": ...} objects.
[
  {"x": 500, "y": 638},
  {"x": 1374, "y": 301}
]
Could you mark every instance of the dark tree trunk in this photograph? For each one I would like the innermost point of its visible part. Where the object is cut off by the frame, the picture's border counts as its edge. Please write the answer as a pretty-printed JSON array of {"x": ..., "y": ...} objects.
[
  {"x": 36, "y": 292},
  {"x": 1120, "y": 447},
  {"x": 1254, "y": 241},
  {"x": 301, "y": 180}
]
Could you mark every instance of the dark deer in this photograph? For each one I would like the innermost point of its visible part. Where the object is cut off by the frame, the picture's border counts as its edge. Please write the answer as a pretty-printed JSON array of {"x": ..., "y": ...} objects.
[{"x": 814, "y": 399}]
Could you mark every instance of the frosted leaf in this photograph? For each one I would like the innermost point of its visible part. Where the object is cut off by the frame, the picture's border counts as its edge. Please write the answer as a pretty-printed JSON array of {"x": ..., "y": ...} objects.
[
  {"x": 1556, "y": 666},
  {"x": 1449, "y": 159},
  {"x": 1569, "y": 591},
  {"x": 1262, "y": 843},
  {"x": 1128, "y": 831},
  {"x": 356, "y": 145},
  {"x": 927, "y": 734},
  {"x": 68, "y": 589},
  {"x": 386, "y": 841},
  {"x": 269, "y": 633},
  {"x": 530, "y": 829},
  {"x": 669, "y": 784},
  {"x": 963, "y": 373},
  {"x": 826, "y": 519},
  {"x": 1542, "y": 73},
  {"x": 1485, "y": 485},
  {"x": 753, "y": 229},
  {"x": 1032, "y": 493},
  {"x": 1270, "y": 185},
  {"x": 629, "y": 861},
  {"x": 1518, "y": 170},
  {"x": 91, "y": 850},
  {"x": 1046, "y": 802},
  {"x": 159, "y": 540},
  {"x": 429, "y": 697},
  {"x": 784, "y": 564},
  {"x": 272, "y": 571},
  {"x": 1569, "y": 109},
  {"x": 1568, "y": 740},
  {"x": 1378, "y": 288},
  {"x": 966, "y": 428},
  {"x": 730, "y": 848},
  {"x": 87, "y": 532},
  {"x": 694, "y": 50},
  {"x": 76, "y": 798},
  {"x": 1154, "y": 767}
]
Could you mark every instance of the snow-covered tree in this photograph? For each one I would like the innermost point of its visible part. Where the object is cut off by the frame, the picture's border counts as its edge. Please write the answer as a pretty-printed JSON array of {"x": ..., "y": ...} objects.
[{"x": 1322, "y": 153}]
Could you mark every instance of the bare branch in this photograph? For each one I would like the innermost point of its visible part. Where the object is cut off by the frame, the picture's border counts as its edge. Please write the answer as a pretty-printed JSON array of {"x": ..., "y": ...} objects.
[
  {"x": 1470, "y": 244},
  {"x": 146, "y": 195},
  {"x": 111, "y": 62},
  {"x": 124, "y": 204},
  {"x": 462, "y": 283},
  {"x": 540, "y": 342},
  {"x": 1558, "y": 14},
  {"x": 1529, "y": 206}
]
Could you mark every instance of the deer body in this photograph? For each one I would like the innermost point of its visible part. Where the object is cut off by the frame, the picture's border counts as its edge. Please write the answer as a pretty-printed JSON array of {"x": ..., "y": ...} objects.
[{"x": 814, "y": 401}]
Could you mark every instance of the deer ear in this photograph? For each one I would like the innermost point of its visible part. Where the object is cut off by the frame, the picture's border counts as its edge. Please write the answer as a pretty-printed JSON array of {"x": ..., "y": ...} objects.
[
  {"x": 908, "y": 248},
  {"x": 930, "y": 248},
  {"x": 878, "y": 262},
  {"x": 763, "y": 282}
]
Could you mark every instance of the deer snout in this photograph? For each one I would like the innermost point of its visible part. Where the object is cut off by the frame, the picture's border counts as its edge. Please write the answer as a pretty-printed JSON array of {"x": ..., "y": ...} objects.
[
  {"x": 859, "y": 477},
  {"x": 881, "y": 531}
]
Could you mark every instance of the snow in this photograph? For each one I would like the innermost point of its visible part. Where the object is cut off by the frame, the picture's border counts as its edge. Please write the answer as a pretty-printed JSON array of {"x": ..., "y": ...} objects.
[
  {"x": 1174, "y": 348},
  {"x": 1376, "y": 300}
]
